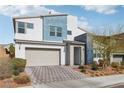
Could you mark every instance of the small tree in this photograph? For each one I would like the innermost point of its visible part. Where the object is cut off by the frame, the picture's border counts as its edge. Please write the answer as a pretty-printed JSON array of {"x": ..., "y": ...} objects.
[
  {"x": 107, "y": 42},
  {"x": 11, "y": 51}
]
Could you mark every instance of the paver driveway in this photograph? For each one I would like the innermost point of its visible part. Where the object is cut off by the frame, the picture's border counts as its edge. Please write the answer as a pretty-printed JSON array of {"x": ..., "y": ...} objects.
[{"x": 49, "y": 74}]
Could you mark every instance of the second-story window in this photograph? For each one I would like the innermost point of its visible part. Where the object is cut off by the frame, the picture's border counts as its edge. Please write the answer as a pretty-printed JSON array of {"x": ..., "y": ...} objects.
[
  {"x": 30, "y": 25},
  {"x": 55, "y": 31},
  {"x": 21, "y": 27},
  {"x": 59, "y": 31},
  {"x": 69, "y": 32},
  {"x": 52, "y": 30}
]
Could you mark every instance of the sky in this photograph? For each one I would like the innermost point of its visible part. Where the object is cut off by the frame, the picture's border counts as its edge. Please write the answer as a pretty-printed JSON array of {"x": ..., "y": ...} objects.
[{"x": 90, "y": 17}]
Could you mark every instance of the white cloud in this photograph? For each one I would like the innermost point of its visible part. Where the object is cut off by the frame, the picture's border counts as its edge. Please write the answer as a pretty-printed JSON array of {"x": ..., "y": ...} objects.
[
  {"x": 83, "y": 22},
  {"x": 104, "y": 9},
  {"x": 21, "y": 10}
]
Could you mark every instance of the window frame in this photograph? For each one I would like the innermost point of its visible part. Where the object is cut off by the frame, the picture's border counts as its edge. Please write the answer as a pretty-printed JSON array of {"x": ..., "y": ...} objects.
[
  {"x": 69, "y": 32},
  {"x": 28, "y": 26},
  {"x": 19, "y": 27},
  {"x": 52, "y": 31},
  {"x": 57, "y": 33}
]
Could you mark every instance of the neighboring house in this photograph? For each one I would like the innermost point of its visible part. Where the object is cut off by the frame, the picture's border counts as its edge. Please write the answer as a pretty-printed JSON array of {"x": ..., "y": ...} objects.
[
  {"x": 49, "y": 40},
  {"x": 117, "y": 55}
]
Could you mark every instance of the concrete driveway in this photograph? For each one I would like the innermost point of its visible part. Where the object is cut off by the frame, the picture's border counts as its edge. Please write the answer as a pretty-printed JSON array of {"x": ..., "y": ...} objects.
[
  {"x": 46, "y": 75},
  {"x": 66, "y": 77}
]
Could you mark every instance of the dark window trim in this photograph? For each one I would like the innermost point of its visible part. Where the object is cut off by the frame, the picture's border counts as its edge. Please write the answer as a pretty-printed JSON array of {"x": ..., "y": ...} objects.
[{"x": 21, "y": 27}]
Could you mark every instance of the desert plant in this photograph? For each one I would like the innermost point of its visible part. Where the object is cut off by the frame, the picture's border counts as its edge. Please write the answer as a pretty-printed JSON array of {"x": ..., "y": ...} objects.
[
  {"x": 83, "y": 70},
  {"x": 21, "y": 79},
  {"x": 18, "y": 65},
  {"x": 94, "y": 66},
  {"x": 115, "y": 64},
  {"x": 5, "y": 68},
  {"x": 81, "y": 67},
  {"x": 11, "y": 51}
]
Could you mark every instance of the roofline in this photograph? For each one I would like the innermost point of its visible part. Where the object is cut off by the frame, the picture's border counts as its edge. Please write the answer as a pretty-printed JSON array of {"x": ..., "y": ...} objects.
[
  {"x": 25, "y": 17},
  {"x": 38, "y": 42},
  {"x": 85, "y": 30}
]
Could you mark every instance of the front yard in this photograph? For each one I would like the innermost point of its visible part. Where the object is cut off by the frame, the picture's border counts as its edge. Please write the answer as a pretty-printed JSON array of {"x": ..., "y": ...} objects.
[
  {"x": 12, "y": 73},
  {"x": 95, "y": 70}
]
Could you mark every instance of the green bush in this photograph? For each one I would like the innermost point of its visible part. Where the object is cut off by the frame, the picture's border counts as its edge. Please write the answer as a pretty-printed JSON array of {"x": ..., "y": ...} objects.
[
  {"x": 83, "y": 70},
  {"x": 16, "y": 72},
  {"x": 81, "y": 67},
  {"x": 5, "y": 68},
  {"x": 115, "y": 64},
  {"x": 18, "y": 65},
  {"x": 94, "y": 66}
]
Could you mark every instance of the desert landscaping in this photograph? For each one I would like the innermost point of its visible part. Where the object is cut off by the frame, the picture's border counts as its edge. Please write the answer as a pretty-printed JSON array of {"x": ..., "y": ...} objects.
[{"x": 12, "y": 71}]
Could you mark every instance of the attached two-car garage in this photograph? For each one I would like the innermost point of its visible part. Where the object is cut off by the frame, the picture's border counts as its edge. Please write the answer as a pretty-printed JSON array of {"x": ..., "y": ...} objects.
[{"x": 42, "y": 57}]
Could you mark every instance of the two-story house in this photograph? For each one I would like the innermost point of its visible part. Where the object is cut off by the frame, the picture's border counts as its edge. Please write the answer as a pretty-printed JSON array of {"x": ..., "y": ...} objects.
[{"x": 48, "y": 40}]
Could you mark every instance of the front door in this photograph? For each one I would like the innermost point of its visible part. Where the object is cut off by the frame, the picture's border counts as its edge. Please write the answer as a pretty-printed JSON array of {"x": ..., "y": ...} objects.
[{"x": 77, "y": 55}]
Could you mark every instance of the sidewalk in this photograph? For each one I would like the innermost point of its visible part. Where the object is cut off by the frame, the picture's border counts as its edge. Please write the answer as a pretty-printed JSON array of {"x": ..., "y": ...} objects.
[
  {"x": 87, "y": 82},
  {"x": 107, "y": 80}
]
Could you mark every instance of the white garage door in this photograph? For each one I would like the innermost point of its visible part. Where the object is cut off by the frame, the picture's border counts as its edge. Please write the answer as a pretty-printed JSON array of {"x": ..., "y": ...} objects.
[
  {"x": 42, "y": 57},
  {"x": 118, "y": 58}
]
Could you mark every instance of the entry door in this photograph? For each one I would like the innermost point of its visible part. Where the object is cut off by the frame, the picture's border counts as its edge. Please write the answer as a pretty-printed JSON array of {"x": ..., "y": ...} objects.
[{"x": 77, "y": 55}]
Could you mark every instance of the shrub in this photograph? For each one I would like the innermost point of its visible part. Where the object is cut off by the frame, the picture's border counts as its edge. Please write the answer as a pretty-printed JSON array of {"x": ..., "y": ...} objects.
[
  {"x": 101, "y": 62},
  {"x": 5, "y": 68},
  {"x": 115, "y": 64},
  {"x": 22, "y": 79},
  {"x": 122, "y": 67},
  {"x": 11, "y": 51},
  {"x": 81, "y": 67},
  {"x": 122, "y": 63},
  {"x": 16, "y": 72},
  {"x": 83, "y": 70},
  {"x": 18, "y": 65},
  {"x": 94, "y": 66}
]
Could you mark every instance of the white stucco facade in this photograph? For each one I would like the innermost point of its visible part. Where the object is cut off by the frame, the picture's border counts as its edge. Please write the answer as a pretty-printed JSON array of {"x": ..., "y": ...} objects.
[
  {"x": 72, "y": 25},
  {"x": 20, "y": 50},
  {"x": 35, "y": 34}
]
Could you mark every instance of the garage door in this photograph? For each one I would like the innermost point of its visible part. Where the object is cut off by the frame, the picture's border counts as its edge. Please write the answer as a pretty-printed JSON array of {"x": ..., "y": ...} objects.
[
  {"x": 42, "y": 57},
  {"x": 118, "y": 58}
]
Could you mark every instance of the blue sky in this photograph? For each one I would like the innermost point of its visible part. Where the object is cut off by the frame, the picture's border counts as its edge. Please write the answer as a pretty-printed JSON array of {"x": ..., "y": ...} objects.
[{"x": 89, "y": 17}]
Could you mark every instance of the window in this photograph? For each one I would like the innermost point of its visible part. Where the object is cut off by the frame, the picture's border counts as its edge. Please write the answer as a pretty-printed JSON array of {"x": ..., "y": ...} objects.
[
  {"x": 59, "y": 31},
  {"x": 69, "y": 32},
  {"x": 30, "y": 25},
  {"x": 21, "y": 27},
  {"x": 55, "y": 31},
  {"x": 52, "y": 30}
]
